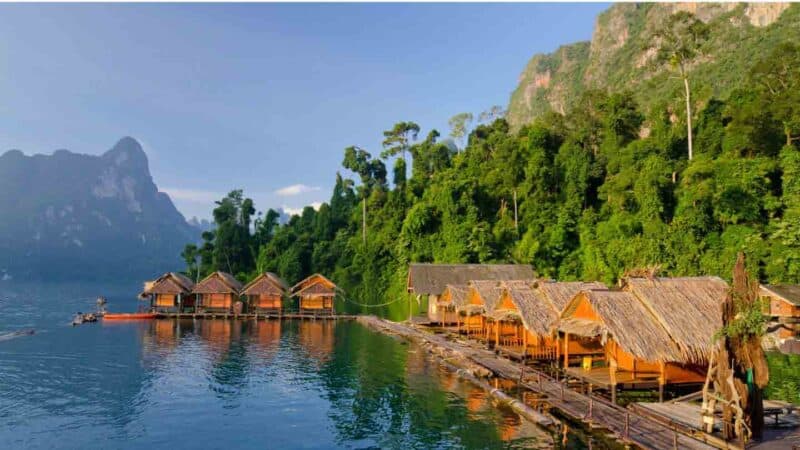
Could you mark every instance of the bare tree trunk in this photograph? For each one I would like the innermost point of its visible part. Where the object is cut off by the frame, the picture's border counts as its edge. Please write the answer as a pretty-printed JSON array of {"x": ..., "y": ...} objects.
[{"x": 688, "y": 112}]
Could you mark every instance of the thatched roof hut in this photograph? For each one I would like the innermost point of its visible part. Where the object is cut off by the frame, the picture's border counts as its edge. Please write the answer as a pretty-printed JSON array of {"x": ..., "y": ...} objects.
[
  {"x": 486, "y": 293},
  {"x": 218, "y": 283},
  {"x": 789, "y": 293},
  {"x": 619, "y": 315},
  {"x": 315, "y": 285},
  {"x": 315, "y": 293},
  {"x": 432, "y": 279},
  {"x": 535, "y": 311},
  {"x": 267, "y": 283},
  {"x": 454, "y": 296},
  {"x": 559, "y": 293},
  {"x": 171, "y": 283},
  {"x": 689, "y": 308}
]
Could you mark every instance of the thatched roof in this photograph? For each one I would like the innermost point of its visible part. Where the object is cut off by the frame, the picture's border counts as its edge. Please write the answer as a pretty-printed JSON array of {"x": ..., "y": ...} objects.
[
  {"x": 536, "y": 312},
  {"x": 689, "y": 308},
  {"x": 786, "y": 292},
  {"x": 431, "y": 279},
  {"x": 315, "y": 285},
  {"x": 455, "y": 295},
  {"x": 625, "y": 319},
  {"x": 173, "y": 283},
  {"x": 559, "y": 293},
  {"x": 267, "y": 283},
  {"x": 489, "y": 292},
  {"x": 218, "y": 283}
]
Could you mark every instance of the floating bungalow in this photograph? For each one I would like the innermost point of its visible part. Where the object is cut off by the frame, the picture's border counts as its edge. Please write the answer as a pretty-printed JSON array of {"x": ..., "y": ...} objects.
[
  {"x": 483, "y": 297},
  {"x": 316, "y": 294},
  {"x": 217, "y": 292},
  {"x": 452, "y": 300},
  {"x": 689, "y": 308},
  {"x": 265, "y": 294},
  {"x": 432, "y": 279},
  {"x": 637, "y": 349},
  {"x": 655, "y": 331},
  {"x": 521, "y": 322},
  {"x": 523, "y": 318},
  {"x": 782, "y": 308},
  {"x": 171, "y": 292}
]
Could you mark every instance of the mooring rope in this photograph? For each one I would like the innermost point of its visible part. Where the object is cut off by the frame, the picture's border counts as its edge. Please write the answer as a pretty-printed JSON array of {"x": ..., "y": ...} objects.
[{"x": 371, "y": 305}]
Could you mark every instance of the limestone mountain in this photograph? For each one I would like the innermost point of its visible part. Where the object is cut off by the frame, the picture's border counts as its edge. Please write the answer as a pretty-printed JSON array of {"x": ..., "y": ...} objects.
[
  {"x": 75, "y": 215},
  {"x": 621, "y": 54}
]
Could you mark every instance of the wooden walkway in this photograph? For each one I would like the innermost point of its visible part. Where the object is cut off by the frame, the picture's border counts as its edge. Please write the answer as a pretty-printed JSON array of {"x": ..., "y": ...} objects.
[
  {"x": 252, "y": 316},
  {"x": 625, "y": 425}
]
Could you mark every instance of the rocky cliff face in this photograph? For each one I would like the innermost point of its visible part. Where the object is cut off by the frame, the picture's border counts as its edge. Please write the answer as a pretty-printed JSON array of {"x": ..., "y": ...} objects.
[
  {"x": 620, "y": 53},
  {"x": 98, "y": 217}
]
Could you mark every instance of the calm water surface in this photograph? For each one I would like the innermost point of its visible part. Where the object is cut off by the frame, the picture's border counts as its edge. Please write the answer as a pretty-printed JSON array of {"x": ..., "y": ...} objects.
[{"x": 225, "y": 384}]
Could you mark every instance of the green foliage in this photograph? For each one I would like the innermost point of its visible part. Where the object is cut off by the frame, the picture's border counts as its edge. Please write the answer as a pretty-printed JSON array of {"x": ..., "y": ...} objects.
[
  {"x": 749, "y": 321},
  {"x": 595, "y": 196},
  {"x": 784, "y": 375}
]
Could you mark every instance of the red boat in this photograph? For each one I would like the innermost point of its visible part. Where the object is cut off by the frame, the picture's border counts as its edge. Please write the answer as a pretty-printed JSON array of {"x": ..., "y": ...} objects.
[{"x": 129, "y": 316}]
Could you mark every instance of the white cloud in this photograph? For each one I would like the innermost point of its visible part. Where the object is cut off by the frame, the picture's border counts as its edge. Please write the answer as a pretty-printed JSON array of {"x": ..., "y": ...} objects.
[
  {"x": 296, "y": 189},
  {"x": 298, "y": 211},
  {"x": 192, "y": 195}
]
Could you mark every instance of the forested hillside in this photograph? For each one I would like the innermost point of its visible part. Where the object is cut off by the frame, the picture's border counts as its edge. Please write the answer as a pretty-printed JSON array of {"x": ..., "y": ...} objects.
[
  {"x": 623, "y": 55},
  {"x": 604, "y": 188}
]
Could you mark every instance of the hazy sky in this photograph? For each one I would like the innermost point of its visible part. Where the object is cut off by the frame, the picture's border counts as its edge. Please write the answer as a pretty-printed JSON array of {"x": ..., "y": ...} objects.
[{"x": 263, "y": 97}]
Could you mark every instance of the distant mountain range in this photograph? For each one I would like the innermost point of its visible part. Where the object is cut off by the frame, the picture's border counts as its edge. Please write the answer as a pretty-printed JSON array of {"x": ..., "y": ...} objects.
[{"x": 69, "y": 215}]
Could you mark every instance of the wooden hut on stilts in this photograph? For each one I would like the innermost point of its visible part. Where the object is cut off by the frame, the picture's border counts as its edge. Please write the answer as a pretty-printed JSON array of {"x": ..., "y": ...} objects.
[
  {"x": 171, "y": 292},
  {"x": 638, "y": 352},
  {"x": 217, "y": 292},
  {"x": 430, "y": 280},
  {"x": 316, "y": 295},
  {"x": 451, "y": 302},
  {"x": 523, "y": 319},
  {"x": 265, "y": 294}
]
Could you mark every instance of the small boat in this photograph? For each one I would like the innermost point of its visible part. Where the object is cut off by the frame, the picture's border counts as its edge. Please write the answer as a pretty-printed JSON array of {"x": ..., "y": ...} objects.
[
  {"x": 81, "y": 318},
  {"x": 129, "y": 316}
]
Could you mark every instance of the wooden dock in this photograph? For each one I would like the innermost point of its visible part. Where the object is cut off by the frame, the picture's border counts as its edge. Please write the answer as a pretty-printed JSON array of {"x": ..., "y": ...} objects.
[
  {"x": 623, "y": 424},
  {"x": 253, "y": 316}
]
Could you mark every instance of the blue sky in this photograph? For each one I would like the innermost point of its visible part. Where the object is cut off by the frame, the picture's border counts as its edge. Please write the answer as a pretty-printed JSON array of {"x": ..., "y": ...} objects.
[{"x": 262, "y": 97}]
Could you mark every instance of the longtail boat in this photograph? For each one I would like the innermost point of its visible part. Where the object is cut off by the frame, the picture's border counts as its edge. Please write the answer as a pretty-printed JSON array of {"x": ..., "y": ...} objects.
[{"x": 129, "y": 316}]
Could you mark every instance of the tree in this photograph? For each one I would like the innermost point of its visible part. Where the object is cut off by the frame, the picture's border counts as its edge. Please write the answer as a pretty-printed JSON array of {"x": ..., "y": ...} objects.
[
  {"x": 778, "y": 76},
  {"x": 491, "y": 114},
  {"x": 191, "y": 256},
  {"x": 681, "y": 41},
  {"x": 398, "y": 139},
  {"x": 459, "y": 124}
]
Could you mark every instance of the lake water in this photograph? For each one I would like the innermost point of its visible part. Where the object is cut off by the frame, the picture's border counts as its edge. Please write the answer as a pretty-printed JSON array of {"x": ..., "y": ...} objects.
[{"x": 226, "y": 384}]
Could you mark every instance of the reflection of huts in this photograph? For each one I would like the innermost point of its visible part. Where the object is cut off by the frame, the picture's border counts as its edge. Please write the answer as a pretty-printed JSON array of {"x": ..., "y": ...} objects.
[
  {"x": 432, "y": 279},
  {"x": 316, "y": 295},
  {"x": 782, "y": 308},
  {"x": 217, "y": 292},
  {"x": 265, "y": 293},
  {"x": 169, "y": 292}
]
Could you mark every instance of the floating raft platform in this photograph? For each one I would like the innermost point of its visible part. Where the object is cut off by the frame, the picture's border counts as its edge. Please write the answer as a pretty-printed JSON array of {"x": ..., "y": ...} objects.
[{"x": 253, "y": 316}]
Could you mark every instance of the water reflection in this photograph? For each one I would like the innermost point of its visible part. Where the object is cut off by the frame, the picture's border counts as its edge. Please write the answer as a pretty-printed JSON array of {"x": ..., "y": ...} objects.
[{"x": 315, "y": 384}]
